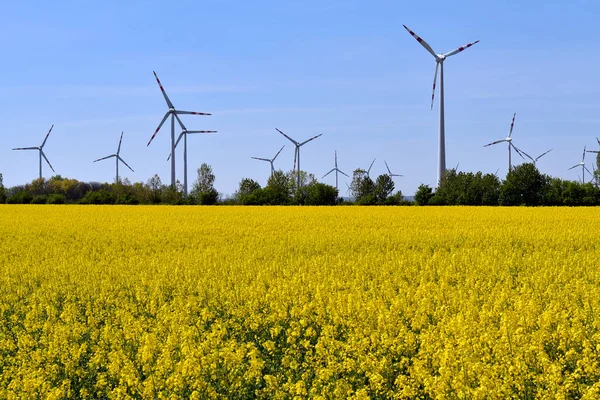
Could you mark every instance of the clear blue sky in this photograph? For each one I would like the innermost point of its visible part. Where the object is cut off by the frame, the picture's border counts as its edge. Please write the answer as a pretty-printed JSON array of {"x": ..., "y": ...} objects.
[{"x": 346, "y": 69}]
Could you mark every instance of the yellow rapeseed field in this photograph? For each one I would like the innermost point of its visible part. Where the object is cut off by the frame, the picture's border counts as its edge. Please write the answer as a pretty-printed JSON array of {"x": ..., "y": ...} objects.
[{"x": 283, "y": 302}]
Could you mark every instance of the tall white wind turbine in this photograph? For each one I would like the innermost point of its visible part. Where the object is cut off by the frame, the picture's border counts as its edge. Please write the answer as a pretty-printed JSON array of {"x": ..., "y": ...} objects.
[
  {"x": 534, "y": 160},
  {"x": 183, "y": 134},
  {"x": 41, "y": 152},
  {"x": 510, "y": 144},
  {"x": 583, "y": 167},
  {"x": 439, "y": 64},
  {"x": 117, "y": 159},
  {"x": 336, "y": 169},
  {"x": 297, "y": 152},
  {"x": 270, "y": 160},
  {"x": 173, "y": 113}
]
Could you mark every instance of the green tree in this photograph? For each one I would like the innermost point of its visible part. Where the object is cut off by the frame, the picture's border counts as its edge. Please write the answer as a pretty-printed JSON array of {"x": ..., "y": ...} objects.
[
  {"x": 423, "y": 195},
  {"x": 524, "y": 185},
  {"x": 155, "y": 188},
  {"x": 320, "y": 194},
  {"x": 384, "y": 186},
  {"x": 362, "y": 187},
  {"x": 2, "y": 190},
  {"x": 245, "y": 190},
  {"x": 279, "y": 188},
  {"x": 203, "y": 189}
]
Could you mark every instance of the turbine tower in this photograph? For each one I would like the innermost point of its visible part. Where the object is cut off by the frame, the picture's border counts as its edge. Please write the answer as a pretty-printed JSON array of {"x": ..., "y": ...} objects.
[
  {"x": 336, "y": 169},
  {"x": 439, "y": 64},
  {"x": 510, "y": 144},
  {"x": 173, "y": 113},
  {"x": 390, "y": 172},
  {"x": 117, "y": 159},
  {"x": 183, "y": 134},
  {"x": 297, "y": 153},
  {"x": 41, "y": 152},
  {"x": 270, "y": 160},
  {"x": 582, "y": 165},
  {"x": 534, "y": 160}
]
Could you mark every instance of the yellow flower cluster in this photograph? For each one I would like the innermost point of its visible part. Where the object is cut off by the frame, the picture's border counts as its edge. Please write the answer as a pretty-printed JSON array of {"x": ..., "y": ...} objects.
[{"x": 283, "y": 302}]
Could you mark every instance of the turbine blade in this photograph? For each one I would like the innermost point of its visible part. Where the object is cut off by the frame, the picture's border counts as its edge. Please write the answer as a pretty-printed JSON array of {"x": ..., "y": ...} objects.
[
  {"x": 159, "y": 126},
  {"x": 328, "y": 173},
  {"x": 179, "y": 138},
  {"x": 289, "y": 138},
  {"x": 372, "y": 162},
  {"x": 460, "y": 49},
  {"x": 586, "y": 168},
  {"x": 343, "y": 173},
  {"x": 543, "y": 154},
  {"x": 517, "y": 150},
  {"x": 261, "y": 159},
  {"x": 437, "y": 64},
  {"x": 583, "y": 156},
  {"x": 574, "y": 166},
  {"x": 163, "y": 91},
  {"x": 527, "y": 155},
  {"x": 104, "y": 158},
  {"x": 278, "y": 153},
  {"x": 191, "y": 113},
  {"x": 127, "y": 165},
  {"x": 46, "y": 158},
  {"x": 496, "y": 142},
  {"x": 588, "y": 151},
  {"x": 46, "y": 138},
  {"x": 120, "y": 140},
  {"x": 312, "y": 138},
  {"x": 26, "y": 148},
  {"x": 201, "y": 131},
  {"x": 422, "y": 42},
  {"x": 388, "y": 168},
  {"x": 181, "y": 125},
  {"x": 512, "y": 125}
]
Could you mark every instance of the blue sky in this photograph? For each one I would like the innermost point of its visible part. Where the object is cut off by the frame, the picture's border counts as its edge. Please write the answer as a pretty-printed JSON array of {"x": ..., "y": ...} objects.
[{"x": 346, "y": 69}]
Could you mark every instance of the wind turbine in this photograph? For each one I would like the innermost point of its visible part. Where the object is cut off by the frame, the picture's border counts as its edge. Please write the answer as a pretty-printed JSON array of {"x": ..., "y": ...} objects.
[
  {"x": 117, "y": 159},
  {"x": 183, "y": 135},
  {"x": 390, "y": 172},
  {"x": 270, "y": 160},
  {"x": 583, "y": 167},
  {"x": 41, "y": 151},
  {"x": 297, "y": 152},
  {"x": 534, "y": 160},
  {"x": 173, "y": 113},
  {"x": 336, "y": 169},
  {"x": 510, "y": 144},
  {"x": 439, "y": 64}
]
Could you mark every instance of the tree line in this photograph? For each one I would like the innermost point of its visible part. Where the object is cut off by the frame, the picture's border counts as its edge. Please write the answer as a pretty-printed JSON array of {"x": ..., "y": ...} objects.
[{"x": 524, "y": 185}]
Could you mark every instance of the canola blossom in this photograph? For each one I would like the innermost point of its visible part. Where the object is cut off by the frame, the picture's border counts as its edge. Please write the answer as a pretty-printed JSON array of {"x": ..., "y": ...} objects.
[{"x": 299, "y": 302}]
